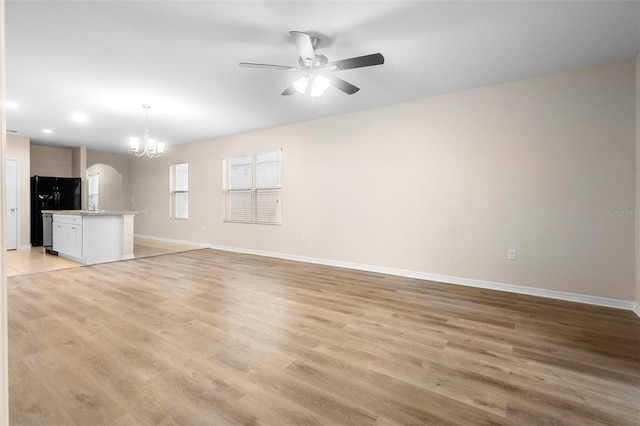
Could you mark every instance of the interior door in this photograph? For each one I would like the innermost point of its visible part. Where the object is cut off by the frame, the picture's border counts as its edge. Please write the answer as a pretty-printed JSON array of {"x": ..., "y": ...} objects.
[{"x": 12, "y": 203}]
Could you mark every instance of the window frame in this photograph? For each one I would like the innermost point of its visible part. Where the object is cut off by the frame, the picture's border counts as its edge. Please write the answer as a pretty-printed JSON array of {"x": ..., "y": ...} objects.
[
  {"x": 254, "y": 190},
  {"x": 93, "y": 197},
  {"x": 173, "y": 192}
]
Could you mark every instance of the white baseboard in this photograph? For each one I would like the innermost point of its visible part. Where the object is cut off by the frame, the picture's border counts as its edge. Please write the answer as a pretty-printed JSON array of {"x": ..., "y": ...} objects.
[
  {"x": 25, "y": 247},
  {"x": 512, "y": 288},
  {"x": 171, "y": 240},
  {"x": 532, "y": 291}
]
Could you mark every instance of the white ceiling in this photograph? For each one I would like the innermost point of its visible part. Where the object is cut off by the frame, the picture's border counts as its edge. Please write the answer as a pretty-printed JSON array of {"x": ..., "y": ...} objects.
[{"x": 106, "y": 59}]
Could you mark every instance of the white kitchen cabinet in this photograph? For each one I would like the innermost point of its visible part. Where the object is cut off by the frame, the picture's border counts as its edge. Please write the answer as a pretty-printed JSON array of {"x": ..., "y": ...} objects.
[
  {"x": 67, "y": 235},
  {"x": 93, "y": 237}
]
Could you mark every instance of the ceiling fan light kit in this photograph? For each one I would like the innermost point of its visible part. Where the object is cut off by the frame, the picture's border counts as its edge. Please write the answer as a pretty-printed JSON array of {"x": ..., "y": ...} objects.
[
  {"x": 316, "y": 84},
  {"x": 314, "y": 65}
]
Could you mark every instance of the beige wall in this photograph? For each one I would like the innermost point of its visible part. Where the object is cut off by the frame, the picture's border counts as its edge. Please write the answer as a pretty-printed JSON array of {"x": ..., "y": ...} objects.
[
  {"x": 18, "y": 147},
  {"x": 115, "y": 193},
  {"x": 79, "y": 169},
  {"x": 109, "y": 188},
  {"x": 442, "y": 185},
  {"x": 51, "y": 161},
  {"x": 78, "y": 161}
]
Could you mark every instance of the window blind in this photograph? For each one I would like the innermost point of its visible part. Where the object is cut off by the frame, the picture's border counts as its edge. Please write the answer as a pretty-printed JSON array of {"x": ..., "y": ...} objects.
[
  {"x": 179, "y": 190},
  {"x": 253, "y": 188},
  {"x": 181, "y": 205},
  {"x": 181, "y": 174}
]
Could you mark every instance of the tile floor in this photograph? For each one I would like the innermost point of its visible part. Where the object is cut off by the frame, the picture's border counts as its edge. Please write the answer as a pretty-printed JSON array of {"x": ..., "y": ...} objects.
[{"x": 22, "y": 262}]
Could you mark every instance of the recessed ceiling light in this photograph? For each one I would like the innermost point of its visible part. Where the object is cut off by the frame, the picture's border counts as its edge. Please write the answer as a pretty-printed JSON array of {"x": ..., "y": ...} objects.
[
  {"x": 47, "y": 131},
  {"x": 80, "y": 117},
  {"x": 11, "y": 105}
]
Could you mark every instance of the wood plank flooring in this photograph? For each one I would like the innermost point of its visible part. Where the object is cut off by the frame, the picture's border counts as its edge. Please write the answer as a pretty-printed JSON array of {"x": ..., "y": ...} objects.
[
  {"x": 21, "y": 262},
  {"x": 207, "y": 337}
]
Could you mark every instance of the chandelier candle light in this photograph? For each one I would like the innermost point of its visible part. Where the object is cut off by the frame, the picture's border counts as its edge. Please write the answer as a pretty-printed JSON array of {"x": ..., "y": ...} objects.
[{"x": 152, "y": 148}]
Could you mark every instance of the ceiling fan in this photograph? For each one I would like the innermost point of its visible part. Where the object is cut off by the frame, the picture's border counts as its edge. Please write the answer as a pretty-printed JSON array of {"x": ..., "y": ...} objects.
[{"x": 316, "y": 68}]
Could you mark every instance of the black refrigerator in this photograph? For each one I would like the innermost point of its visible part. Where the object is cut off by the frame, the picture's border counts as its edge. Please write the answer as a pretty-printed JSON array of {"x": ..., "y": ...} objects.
[{"x": 52, "y": 193}]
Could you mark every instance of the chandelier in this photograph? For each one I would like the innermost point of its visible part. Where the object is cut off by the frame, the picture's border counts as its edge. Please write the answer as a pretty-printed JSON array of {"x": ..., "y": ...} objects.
[{"x": 152, "y": 147}]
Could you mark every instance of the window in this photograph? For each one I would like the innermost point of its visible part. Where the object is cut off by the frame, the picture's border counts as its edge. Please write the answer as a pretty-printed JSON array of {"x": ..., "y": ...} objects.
[
  {"x": 252, "y": 187},
  {"x": 179, "y": 188},
  {"x": 94, "y": 196}
]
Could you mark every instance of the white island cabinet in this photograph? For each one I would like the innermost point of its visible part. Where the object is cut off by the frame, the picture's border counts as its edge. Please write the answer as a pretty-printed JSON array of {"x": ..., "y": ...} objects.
[
  {"x": 67, "y": 235},
  {"x": 93, "y": 237}
]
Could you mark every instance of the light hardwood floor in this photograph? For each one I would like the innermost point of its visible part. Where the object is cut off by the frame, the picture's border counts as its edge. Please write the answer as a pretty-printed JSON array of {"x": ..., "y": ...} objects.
[
  {"x": 20, "y": 262},
  {"x": 207, "y": 337}
]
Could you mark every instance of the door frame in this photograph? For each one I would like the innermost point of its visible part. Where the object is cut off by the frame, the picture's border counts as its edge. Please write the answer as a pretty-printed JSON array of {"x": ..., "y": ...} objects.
[
  {"x": 4, "y": 352},
  {"x": 18, "y": 200}
]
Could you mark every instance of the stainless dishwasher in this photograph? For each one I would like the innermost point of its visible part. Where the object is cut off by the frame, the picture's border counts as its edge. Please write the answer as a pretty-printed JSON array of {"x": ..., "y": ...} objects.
[{"x": 47, "y": 233}]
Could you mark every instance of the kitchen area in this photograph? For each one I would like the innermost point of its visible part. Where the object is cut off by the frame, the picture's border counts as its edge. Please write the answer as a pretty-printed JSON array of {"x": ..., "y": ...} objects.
[
  {"x": 63, "y": 228},
  {"x": 84, "y": 232},
  {"x": 104, "y": 197}
]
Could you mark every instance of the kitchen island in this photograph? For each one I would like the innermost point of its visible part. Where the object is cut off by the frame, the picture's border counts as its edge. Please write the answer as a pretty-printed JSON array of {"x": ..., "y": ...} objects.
[{"x": 90, "y": 237}]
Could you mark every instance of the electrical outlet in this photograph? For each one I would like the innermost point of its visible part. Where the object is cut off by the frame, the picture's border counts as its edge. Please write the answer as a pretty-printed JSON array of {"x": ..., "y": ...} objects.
[
  {"x": 303, "y": 237},
  {"x": 512, "y": 254}
]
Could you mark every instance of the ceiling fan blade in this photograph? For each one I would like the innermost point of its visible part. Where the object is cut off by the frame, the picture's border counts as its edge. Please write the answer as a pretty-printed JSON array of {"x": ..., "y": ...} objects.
[
  {"x": 303, "y": 42},
  {"x": 289, "y": 91},
  {"x": 360, "y": 61},
  {"x": 267, "y": 66},
  {"x": 340, "y": 84}
]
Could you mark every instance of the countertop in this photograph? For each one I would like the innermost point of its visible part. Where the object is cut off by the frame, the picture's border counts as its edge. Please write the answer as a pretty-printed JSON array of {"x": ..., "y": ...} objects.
[{"x": 91, "y": 212}]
